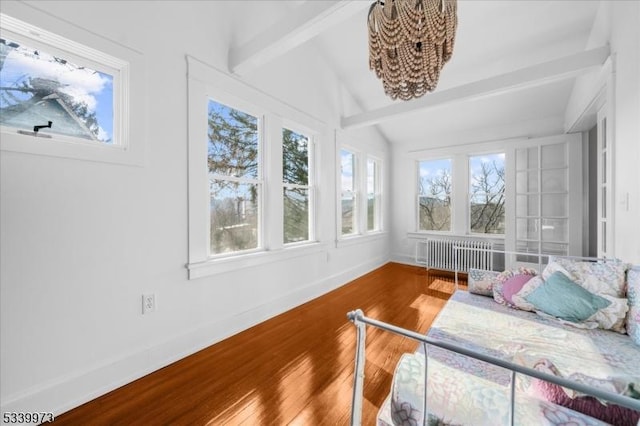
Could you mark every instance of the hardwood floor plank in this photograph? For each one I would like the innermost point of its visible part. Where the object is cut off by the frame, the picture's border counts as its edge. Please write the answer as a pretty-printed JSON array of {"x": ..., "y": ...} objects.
[{"x": 296, "y": 368}]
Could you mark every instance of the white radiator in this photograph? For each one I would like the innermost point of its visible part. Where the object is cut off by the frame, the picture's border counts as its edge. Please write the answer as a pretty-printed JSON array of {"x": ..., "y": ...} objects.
[{"x": 440, "y": 254}]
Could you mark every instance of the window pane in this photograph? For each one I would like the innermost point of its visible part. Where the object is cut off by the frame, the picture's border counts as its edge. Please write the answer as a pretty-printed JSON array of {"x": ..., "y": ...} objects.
[
  {"x": 486, "y": 191},
  {"x": 234, "y": 216},
  {"x": 554, "y": 155},
  {"x": 528, "y": 247},
  {"x": 555, "y": 249},
  {"x": 527, "y": 205},
  {"x": 434, "y": 183},
  {"x": 348, "y": 198},
  {"x": 555, "y": 205},
  {"x": 38, "y": 87},
  {"x": 527, "y": 182},
  {"x": 527, "y": 229},
  {"x": 554, "y": 180},
  {"x": 296, "y": 215},
  {"x": 526, "y": 158},
  {"x": 295, "y": 157},
  {"x": 556, "y": 230},
  {"x": 233, "y": 142},
  {"x": 373, "y": 202}
]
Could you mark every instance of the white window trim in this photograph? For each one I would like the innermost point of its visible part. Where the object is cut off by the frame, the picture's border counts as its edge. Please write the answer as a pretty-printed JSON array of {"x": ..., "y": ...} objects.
[
  {"x": 206, "y": 82},
  {"x": 124, "y": 64}
]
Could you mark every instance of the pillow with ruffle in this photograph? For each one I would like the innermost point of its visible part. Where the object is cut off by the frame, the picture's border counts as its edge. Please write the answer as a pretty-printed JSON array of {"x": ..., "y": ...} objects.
[
  {"x": 512, "y": 280},
  {"x": 520, "y": 298},
  {"x": 480, "y": 281},
  {"x": 601, "y": 277},
  {"x": 609, "y": 413}
]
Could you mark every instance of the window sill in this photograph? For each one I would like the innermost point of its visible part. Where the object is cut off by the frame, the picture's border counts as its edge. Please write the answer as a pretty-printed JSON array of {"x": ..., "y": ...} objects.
[
  {"x": 226, "y": 264},
  {"x": 360, "y": 239},
  {"x": 425, "y": 234}
]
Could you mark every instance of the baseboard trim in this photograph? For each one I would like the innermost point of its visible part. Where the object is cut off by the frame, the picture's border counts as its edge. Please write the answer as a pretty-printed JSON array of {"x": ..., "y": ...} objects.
[{"x": 74, "y": 390}]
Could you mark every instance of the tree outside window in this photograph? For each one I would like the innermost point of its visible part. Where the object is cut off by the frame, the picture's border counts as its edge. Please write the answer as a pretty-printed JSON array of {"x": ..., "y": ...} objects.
[
  {"x": 486, "y": 194},
  {"x": 234, "y": 179},
  {"x": 434, "y": 195},
  {"x": 296, "y": 189}
]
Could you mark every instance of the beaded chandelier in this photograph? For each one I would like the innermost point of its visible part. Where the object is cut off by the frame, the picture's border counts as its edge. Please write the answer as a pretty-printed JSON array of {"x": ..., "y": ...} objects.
[{"x": 409, "y": 43}]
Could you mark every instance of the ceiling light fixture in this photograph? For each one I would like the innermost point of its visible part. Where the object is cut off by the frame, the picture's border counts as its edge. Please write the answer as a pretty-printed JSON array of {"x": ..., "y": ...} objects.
[{"x": 409, "y": 43}]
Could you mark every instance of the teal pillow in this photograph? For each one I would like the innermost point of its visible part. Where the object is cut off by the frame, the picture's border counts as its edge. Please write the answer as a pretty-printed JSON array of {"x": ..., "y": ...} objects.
[{"x": 562, "y": 298}]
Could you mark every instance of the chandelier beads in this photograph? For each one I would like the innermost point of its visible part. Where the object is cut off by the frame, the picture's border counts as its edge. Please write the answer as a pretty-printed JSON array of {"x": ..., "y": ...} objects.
[{"x": 409, "y": 43}]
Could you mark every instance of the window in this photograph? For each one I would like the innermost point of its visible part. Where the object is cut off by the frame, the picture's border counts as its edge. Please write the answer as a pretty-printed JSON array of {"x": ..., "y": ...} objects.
[
  {"x": 486, "y": 194},
  {"x": 349, "y": 199},
  {"x": 434, "y": 195},
  {"x": 93, "y": 98},
  {"x": 296, "y": 186},
  {"x": 373, "y": 195},
  {"x": 234, "y": 179},
  {"x": 251, "y": 175},
  {"x": 38, "y": 87}
]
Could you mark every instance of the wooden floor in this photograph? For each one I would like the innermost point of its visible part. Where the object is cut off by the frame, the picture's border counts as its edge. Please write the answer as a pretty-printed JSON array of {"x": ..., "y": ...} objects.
[{"x": 296, "y": 368}]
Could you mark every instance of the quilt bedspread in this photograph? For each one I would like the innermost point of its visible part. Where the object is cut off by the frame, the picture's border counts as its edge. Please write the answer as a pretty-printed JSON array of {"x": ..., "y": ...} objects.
[{"x": 462, "y": 390}]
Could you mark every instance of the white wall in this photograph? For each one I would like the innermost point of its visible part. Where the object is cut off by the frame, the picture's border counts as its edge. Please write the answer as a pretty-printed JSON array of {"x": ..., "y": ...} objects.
[{"x": 82, "y": 241}]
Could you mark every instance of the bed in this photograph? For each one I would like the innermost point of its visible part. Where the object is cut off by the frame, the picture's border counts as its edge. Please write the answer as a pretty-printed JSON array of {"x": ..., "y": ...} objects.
[{"x": 486, "y": 363}]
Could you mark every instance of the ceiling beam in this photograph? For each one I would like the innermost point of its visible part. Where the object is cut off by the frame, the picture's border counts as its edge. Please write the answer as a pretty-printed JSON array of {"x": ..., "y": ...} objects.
[
  {"x": 304, "y": 23},
  {"x": 555, "y": 70}
]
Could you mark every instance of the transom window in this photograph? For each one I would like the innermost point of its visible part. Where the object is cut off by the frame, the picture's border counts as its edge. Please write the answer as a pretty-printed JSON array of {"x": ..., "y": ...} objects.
[
  {"x": 38, "y": 87},
  {"x": 91, "y": 94}
]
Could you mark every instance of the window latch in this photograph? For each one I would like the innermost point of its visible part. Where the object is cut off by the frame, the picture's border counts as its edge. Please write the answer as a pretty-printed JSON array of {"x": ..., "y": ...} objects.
[
  {"x": 36, "y": 129},
  {"x": 44, "y": 126}
]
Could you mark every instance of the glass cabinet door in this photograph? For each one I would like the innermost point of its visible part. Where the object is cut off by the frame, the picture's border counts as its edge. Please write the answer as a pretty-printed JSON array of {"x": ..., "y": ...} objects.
[{"x": 542, "y": 201}]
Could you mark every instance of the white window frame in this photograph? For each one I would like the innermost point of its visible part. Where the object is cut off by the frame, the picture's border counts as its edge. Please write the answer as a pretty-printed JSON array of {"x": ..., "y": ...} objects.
[
  {"x": 377, "y": 194},
  {"x": 124, "y": 65},
  {"x": 311, "y": 180},
  {"x": 206, "y": 82}
]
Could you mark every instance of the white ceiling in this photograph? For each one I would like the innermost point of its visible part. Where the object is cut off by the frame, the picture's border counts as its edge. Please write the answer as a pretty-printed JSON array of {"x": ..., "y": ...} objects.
[{"x": 493, "y": 38}]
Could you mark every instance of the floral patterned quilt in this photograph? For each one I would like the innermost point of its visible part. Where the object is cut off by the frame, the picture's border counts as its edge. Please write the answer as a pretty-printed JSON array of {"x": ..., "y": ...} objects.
[{"x": 465, "y": 391}]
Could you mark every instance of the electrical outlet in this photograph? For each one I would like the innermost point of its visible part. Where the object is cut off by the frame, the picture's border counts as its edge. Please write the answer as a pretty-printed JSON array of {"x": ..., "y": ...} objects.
[{"x": 148, "y": 303}]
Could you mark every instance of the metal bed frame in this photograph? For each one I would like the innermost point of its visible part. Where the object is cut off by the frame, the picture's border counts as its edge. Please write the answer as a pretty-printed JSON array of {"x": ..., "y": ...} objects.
[{"x": 361, "y": 322}]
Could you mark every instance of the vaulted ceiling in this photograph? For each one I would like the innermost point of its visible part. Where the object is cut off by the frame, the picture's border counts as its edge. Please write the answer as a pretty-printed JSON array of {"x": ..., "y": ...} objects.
[{"x": 513, "y": 66}]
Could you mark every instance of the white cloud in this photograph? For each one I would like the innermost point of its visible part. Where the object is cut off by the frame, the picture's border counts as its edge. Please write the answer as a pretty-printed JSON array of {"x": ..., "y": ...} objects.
[{"x": 84, "y": 85}]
